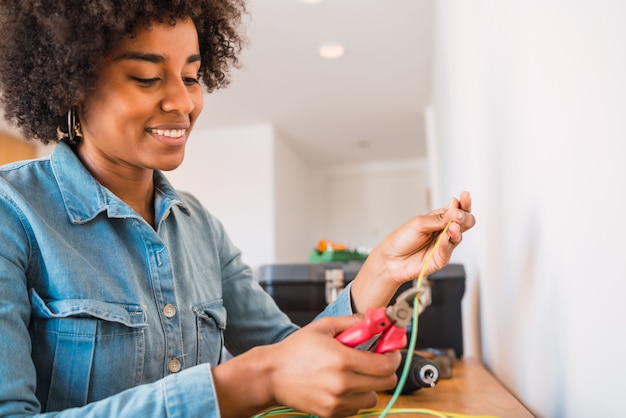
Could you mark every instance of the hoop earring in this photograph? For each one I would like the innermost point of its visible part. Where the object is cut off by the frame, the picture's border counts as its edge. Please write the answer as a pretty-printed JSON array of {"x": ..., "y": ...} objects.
[{"x": 74, "y": 131}]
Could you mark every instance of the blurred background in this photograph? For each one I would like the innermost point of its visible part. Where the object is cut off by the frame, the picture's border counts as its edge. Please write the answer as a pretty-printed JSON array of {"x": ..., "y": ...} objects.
[{"x": 520, "y": 102}]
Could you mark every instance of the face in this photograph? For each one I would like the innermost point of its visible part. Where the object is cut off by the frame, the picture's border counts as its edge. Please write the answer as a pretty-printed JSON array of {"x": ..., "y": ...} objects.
[{"x": 145, "y": 103}]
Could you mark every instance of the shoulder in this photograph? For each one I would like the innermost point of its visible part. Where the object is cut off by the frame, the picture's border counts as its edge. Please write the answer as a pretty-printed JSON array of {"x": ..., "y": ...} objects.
[
  {"x": 193, "y": 213},
  {"x": 197, "y": 208},
  {"x": 199, "y": 212},
  {"x": 26, "y": 176},
  {"x": 24, "y": 165}
]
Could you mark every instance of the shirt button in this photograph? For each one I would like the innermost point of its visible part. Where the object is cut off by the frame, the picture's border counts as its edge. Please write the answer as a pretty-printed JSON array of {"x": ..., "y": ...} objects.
[
  {"x": 169, "y": 310},
  {"x": 174, "y": 365}
]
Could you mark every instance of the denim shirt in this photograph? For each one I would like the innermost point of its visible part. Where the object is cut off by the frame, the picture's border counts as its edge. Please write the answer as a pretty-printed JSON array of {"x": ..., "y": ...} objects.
[{"x": 103, "y": 315}]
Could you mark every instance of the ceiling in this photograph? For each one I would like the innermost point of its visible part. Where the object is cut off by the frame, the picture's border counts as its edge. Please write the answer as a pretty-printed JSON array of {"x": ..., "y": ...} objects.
[{"x": 366, "y": 106}]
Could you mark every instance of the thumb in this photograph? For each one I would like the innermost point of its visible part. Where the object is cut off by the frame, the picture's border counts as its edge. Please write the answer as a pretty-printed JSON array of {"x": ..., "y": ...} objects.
[
  {"x": 436, "y": 220},
  {"x": 335, "y": 325}
]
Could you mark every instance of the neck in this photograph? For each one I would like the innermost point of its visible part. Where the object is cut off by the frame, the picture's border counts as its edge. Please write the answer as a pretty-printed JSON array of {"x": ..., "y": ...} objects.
[
  {"x": 134, "y": 186},
  {"x": 139, "y": 195}
]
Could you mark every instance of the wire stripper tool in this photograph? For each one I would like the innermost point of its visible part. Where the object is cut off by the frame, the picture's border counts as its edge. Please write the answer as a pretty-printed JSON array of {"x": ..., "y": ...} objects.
[{"x": 383, "y": 329}]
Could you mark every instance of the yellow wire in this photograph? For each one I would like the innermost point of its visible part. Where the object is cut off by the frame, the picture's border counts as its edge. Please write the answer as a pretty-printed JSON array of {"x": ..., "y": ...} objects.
[
  {"x": 430, "y": 254},
  {"x": 288, "y": 412},
  {"x": 411, "y": 348}
]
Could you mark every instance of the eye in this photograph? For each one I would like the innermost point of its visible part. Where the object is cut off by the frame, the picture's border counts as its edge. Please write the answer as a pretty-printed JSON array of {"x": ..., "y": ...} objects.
[
  {"x": 145, "y": 81},
  {"x": 190, "y": 81}
]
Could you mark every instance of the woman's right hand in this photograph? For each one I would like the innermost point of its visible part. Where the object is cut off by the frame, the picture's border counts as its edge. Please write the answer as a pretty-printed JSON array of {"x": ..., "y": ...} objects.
[
  {"x": 311, "y": 371},
  {"x": 317, "y": 374}
]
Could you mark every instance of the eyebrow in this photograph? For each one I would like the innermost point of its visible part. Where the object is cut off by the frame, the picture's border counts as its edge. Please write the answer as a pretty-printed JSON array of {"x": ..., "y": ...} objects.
[{"x": 153, "y": 58}]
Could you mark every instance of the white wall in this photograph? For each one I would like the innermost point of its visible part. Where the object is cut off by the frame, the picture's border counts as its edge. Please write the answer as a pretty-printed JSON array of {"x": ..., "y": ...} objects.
[
  {"x": 298, "y": 198},
  {"x": 365, "y": 202},
  {"x": 231, "y": 172},
  {"x": 530, "y": 104},
  {"x": 275, "y": 206}
]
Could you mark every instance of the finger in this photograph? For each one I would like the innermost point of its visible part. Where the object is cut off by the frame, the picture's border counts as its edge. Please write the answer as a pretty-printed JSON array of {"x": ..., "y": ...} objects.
[
  {"x": 434, "y": 221},
  {"x": 374, "y": 365},
  {"x": 455, "y": 236},
  {"x": 466, "y": 201},
  {"x": 464, "y": 219},
  {"x": 349, "y": 405},
  {"x": 453, "y": 209},
  {"x": 334, "y": 325},
  {"x": 436, "y": 212},
  {"x": 367, "y": 399},
  {"x": 363, "y": 382},
  {"x": 437, "y": 219},
  {"x": 460, "y": 212}
]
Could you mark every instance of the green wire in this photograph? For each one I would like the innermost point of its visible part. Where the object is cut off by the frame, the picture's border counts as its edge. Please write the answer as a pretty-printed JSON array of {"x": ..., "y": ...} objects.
[{"x": 407, "y": 362}]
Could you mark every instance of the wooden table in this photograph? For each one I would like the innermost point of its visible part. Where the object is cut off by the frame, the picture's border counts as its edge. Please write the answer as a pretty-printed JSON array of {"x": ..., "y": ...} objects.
[{"x": 471, "y": 390}]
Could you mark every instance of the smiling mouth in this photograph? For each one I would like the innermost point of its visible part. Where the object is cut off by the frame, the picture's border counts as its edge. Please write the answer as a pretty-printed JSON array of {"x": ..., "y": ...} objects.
[{"x": 170, "y": 133}]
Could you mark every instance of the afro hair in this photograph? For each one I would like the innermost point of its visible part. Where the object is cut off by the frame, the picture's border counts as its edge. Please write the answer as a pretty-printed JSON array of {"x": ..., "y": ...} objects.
[{"x": 51, "y": 50}]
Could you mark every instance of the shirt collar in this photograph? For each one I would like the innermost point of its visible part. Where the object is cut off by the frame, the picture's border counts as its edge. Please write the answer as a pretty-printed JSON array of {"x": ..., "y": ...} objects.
[{"x": 85, "y": 198}]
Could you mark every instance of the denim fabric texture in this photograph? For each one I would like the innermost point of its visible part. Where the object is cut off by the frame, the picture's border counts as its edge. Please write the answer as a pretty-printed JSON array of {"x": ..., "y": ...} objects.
[{"x": 101, "y": 313}]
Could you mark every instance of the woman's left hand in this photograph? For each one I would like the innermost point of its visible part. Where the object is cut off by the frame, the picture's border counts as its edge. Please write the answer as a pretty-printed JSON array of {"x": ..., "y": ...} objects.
[{"x": 402, "y": 254}]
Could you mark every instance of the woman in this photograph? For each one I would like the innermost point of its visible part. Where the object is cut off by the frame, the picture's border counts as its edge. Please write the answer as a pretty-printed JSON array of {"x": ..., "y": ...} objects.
[{"x": 117, "y": 293}]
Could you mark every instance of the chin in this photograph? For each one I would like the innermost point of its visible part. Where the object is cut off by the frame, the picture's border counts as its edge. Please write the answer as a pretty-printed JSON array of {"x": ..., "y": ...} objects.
[
  {"x": 169, "y": 166},
  {"x": 170, "y": 163}
]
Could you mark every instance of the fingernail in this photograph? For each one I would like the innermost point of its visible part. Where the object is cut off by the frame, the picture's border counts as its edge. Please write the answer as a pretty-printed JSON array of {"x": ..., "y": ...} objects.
[
  {"x": 451, "y": 203},
  {"x": 459, "y": 215}
]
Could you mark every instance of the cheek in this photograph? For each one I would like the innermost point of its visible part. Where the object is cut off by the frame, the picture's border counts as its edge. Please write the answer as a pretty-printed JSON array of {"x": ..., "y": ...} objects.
[
  {"x": 103, "y": 110},
  {"x": 112, "y": 126},
  {"x": 198, "y": 106},
  {"x": 127, "y": 117}
]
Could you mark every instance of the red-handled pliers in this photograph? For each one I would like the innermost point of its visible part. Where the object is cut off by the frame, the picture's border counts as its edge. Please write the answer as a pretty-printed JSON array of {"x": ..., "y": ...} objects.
[{"x": 389, "y": 322}]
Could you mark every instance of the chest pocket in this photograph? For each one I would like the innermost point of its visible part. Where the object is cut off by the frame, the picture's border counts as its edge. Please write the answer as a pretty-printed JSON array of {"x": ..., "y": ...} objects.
[
  {"x": 85, "y": 349},
  {"x": 210, "y": 326}
]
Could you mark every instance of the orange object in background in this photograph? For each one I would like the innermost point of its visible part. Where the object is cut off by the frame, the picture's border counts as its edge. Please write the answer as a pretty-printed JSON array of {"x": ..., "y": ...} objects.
[{"x": 326, "y": 245}]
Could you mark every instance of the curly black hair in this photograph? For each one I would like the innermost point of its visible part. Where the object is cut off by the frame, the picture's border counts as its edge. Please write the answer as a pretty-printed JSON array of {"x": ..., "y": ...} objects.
[{"x": 51, "y": 50}]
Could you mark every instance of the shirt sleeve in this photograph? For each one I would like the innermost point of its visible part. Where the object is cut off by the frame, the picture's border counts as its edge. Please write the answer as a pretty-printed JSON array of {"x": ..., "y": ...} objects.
[
  {"x": 190, "y": 393},
  {"x": 340, "y": 306},
  {"x": 17, "y": 372}
]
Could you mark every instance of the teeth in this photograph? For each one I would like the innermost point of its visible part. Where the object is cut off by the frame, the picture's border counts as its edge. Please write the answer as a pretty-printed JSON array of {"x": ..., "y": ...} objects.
[{"x": 172, "y": 133}]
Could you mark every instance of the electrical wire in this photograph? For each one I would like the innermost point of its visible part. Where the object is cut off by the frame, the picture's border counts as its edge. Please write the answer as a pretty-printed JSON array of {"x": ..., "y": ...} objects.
[
  {"x": 289, "y": 412},
  {"x": 282, "y": 411},
  {"x": 413, "y": 340}
]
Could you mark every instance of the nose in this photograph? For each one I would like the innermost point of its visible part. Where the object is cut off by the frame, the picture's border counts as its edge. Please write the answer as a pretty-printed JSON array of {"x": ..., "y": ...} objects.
[{"x": 177, "y": 97}]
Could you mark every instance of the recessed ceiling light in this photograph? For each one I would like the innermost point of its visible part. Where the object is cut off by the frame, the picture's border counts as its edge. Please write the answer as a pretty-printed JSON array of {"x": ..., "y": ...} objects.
[{"x": 331, "y": 50}]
